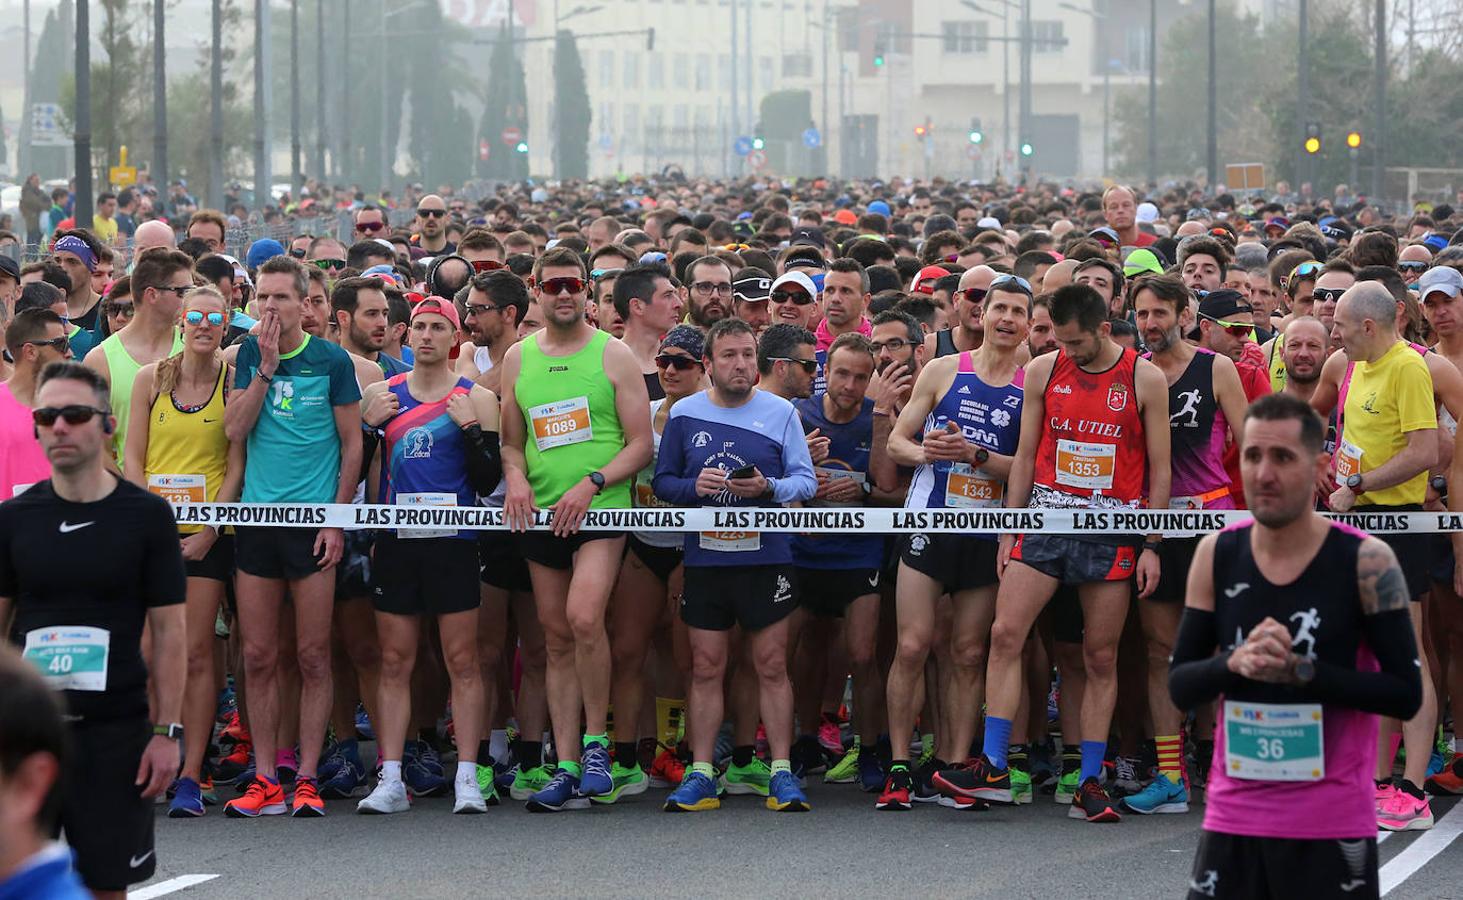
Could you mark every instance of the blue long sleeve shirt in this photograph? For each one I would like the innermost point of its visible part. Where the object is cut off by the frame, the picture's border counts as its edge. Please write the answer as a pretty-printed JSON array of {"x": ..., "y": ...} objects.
[{"x": 764, "y": 432}]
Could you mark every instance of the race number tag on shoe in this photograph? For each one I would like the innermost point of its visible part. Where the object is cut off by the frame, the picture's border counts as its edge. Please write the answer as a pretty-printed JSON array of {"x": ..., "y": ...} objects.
[
  {"x": 426, "y": 499},
  {"x": 967, "y": 487},
  {"x": 70, "y": 657},
  {"x": 1087, "y": 466},
  {"x": 179, "y": 488},
  {"x": 731, "y": 541},
  {"x": 1273, "y": 741},
  {"x": 560, "y": 423}
]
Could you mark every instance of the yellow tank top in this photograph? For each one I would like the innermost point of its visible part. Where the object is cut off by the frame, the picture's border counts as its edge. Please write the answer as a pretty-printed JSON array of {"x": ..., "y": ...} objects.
[{"x": 187, "y": 452}]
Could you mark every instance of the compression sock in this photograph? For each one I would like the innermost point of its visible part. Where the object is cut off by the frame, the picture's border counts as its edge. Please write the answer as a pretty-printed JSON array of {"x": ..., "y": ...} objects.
[
  {"x": 1071, "y": 760},
  {"x": 997, "y": 739},
  {"x": 1092, "y": 752},
  {"x": 899, "y": 765},
  {"x": 625, "y": 754},
  {"x": 742, "y": 756},
  {"x": 529, "y": 754},
  {"x": 1171, "y": 756},
  {"x": 602, "y": 739}
]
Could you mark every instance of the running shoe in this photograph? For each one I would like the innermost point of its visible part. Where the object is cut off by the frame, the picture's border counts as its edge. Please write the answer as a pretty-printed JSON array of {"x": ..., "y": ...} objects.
[
  {"x": 1404, "y": 812},
  {"x": 426, "y": 754},
  {"x": 696, "y": 793},
  {"x": 307, "y": 803},
  {"x": 847, "y": 769},
  {"x": 1020, "y": 787},
  {"x": 468, "y": 796},
  {"x": 246, "y": 778},
  {"x": 760, "y": 742},
  {"x": 1161, "y": 795},
  {"x": 187, "y": 800},
  {"x": 263, "y": 798},
  {"x": 1203, "y": 759},
  {"x": 233, "y": 731},
  {"x": 528, "y": 782},
  {"x": 1093, "y": 804},
  {"x": 1436, "y": 763},
  {"x": 363, "y": 724},
  {"x": 896, "y": 792},
  {"x": 628, "y": 782},
  {"x": 386, "y": 798},
  {"x": 238, "y": 760},
  {"x": 1125, "y": 777},
  {"x": 208, "y": 791},
  {"x": 830, "y": 736},
  {"x": 330, "y": 762},
  {"x": 1449, "y": 780},
  {"x": 286, "y": 775},
  {"x": 870, "y": 772},
  {"x": 561, "y": 793},
  {"x": 597, "y": 779},
  {"x": 807, "y": 757},
  {"x": 752, "y": 778},
  {"x": 1042, "y": 770},
  {"x": 1385, "y": 790},
  {"x": 977, "y": 779},
  {"x": 503, "y": 778},
  {"x": 488, "y": 784},
  {"x": 1067, "y": 787},
  {"x": 348, "y": 779},
  {"x": 921, "y": 790},
  {"x": 668, "y": 769},
  {"x": 785, "y": 795},
  {"x": 420, "y": 780}
]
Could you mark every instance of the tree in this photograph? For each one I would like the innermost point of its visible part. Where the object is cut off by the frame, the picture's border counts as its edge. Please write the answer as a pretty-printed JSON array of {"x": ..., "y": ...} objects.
[
  {"x": 439, "y": 139},
  {"x": 571, "y": 104},
  {"x": 506, "y": 107},
  {"x": 51, "y": 68}
]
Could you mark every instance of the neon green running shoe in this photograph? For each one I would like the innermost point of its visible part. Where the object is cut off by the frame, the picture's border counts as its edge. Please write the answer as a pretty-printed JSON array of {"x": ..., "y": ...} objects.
[
  {"x": 752, "y": 778},
  {"x": 1020, "y": 787},
  {"x": 846, "y": 772},
  {"x": 529, "y": 782},
  {"x": 1067, "y": 787},
  {"x": 486, "y": 785},
  {"x": 628, "y": 782}
]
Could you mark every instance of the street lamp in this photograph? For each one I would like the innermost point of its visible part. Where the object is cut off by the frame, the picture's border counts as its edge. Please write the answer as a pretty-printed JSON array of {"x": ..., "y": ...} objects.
[
  {"x": 1099, "y": 20},
  {"x": 1006, "y": 6}
]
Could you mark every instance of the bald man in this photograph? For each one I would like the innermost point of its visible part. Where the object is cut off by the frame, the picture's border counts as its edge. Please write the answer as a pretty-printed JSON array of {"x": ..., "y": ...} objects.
[
  {"x": 155, "y": 233},
  {"x": 969, "y": 332}
]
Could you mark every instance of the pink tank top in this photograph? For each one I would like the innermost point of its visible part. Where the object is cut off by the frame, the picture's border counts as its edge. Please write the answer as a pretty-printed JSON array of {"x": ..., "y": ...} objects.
[{"x": 22, "y": 462}]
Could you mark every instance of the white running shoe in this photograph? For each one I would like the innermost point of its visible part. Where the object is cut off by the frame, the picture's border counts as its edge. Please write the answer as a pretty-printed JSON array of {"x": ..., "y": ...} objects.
[
  {"x": 387, "y": 797},
  {"x": 469, "y": 797}
]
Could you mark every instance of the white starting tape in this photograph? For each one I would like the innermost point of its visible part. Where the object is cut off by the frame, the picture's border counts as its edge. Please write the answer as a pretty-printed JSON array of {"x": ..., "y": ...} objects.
[{"x": 816, "y": 521}]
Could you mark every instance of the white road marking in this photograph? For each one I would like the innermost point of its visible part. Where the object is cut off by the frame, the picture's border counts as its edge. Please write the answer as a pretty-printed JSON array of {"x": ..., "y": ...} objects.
[
  {"x": 1421, "y": 851},
  {"x": 171, "y": 886}
]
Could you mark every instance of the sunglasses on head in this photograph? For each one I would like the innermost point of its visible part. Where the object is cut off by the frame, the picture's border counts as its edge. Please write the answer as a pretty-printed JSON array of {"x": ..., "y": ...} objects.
[
  {"x": 486, "y": 265},
  {"x": 1327, "y": 295},
  {"x": 809, "y": 366},
  {"x": 800, "y": 298},
  {"x": 46, "y": 416},
  {"x": 679, "y": 363},
  {"x": 597, "y": 274},
  {"x": 370, "y": 226},
  {"x": 1304, "y": 270},
  {"x": 431, "y": 213},
  {"x": 1009, "y": 282},
  {"x": 553, "y": 287},
  {"x": 329, "y": 263},
  {"x": 195, "y": 317}
]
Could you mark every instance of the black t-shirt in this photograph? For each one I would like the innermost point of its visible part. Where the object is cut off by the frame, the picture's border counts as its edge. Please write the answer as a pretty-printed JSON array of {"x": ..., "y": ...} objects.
[
  {"x": 133, "y": 562},
  {"x": 652, "y": 385}
]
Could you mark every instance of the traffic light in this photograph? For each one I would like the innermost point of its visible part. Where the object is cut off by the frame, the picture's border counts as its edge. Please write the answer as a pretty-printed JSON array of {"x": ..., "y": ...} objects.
[
  {"x": 1026, "y": 148},
  {"x": 879, "y": 48},
  {"x": 921, "y": 131},
  {"x": 522, "y": 147},
  {"x": 1313, "y": 138},
  {"x": 1353, "y": 140},
  {"x": 976, "y": 135}
]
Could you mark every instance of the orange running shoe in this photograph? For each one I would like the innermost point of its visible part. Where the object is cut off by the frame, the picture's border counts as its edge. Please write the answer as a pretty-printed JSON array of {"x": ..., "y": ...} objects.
[
  {"x": 262, "y": 798},
  {"x": 1450, "y": 780},
  {"x": 668, "y": 770},
  {"x": 307, "y": 799}
]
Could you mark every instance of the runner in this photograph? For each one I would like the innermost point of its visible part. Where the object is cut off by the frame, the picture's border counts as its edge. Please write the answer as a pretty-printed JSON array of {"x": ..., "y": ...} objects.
[
  {"x": 966, "y": 333},
  {"x": 439, "y": 447},
  {"x": 34, "y": 339},
  {"x": 582, "y": 397},
  {"x": 359, "y": 310},
  {"x": 297, "y": 407},
  {"x": 1304, "y": 345},
  {"x": 81, "y": 626},
  {"x": 649, "y": 305},
  {"x": 736, "y": 577},
  {"x": 177, "y": 449},
  {"x": 959, "y": 429},
  {"x": 1094, "y": 429},
  {"x": 1292, "y": 618},
  {"x": 1204, "y": 397},
  {"x": 495, "y": 304}
]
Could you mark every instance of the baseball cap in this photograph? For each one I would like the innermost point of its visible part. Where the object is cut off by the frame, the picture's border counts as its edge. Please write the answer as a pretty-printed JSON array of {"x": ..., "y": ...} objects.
[
  {"x": 751, "y": 285},
  {"x": 240, "y": 273},
  {"x": 261, "y": 250},
  {"x": 1106, "y": 234},
  {"x": 988, "y": 222},
  {"x": 1440, "y": 278},
  {"x": 1222, "y": 303},
  {"x": 794, "y": 278},
  {"x": 808, "y": 236},
  {"x": 924, "y": 278},
  {"x": 442, "y": 307},
  {"x": 1279, "y": 222},
  {"x": 1147, "y": 212},
  {"x": 9, "y": 267},
  {"x": 1142, "y": 262},
  {"x": 1436, "y": 241},
  {"x": 845, "y": 217},
  {"x": 879, "y": 206},
  {"x": 383, "y": 271}
]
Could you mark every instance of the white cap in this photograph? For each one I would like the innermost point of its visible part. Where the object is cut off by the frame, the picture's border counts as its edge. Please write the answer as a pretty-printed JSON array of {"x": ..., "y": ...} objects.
[
  {"x": 1147, "y": 212},
  {"x": 988, "y": 222},
  {"x": 799, "y": 279}
]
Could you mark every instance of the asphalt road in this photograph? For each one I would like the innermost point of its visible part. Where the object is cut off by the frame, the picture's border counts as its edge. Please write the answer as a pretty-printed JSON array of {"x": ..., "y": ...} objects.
[{"x": 843, "y": 847}]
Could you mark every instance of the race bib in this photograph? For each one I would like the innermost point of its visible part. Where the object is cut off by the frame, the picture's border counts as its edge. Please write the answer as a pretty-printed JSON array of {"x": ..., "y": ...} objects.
[
  {"x": 1348, "y": 461},
  {"x": 426, "y": 499},
  {"x": 17, "y": 489},
  {"x": 731, "y": 541},
  {"x": 561, "y": 423},
  {"x": 1086, "y": 466},
  {"x": 1274, "y": 741},
  {"x": 967, "y": 487},
  {"x": 70, "y": 657},
  {"x": 835, "y": 475},
  {"x": 179, "y": 488}
]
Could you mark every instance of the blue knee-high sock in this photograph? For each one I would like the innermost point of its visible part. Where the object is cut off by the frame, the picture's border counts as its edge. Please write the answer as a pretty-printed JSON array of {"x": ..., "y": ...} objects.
[
  {"x": 997, "y": 738},
  {"x": 1092, "y": 752}
]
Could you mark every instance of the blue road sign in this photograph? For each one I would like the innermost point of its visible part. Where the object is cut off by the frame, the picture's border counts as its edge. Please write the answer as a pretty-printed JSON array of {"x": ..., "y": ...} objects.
[
  {"x": 811, "y": 138},
  {"x": 743, "y": 146}
]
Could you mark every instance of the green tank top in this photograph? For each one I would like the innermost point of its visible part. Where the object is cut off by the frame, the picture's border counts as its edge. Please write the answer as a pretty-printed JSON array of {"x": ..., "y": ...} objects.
[
  {"x": 572, "y": 425},
  {"x": 122, "y": 371}
]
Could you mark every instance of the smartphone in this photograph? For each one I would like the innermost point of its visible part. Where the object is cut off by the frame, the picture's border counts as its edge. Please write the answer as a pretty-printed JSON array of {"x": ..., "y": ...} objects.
[{"x": 743, "y": 472}]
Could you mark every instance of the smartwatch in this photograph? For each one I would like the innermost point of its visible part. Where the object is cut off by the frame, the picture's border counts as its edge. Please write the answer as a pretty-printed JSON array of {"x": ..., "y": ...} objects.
[
  {"x": 1439, "y": 484},
  {"x": 1305, "y": 669},
  {"x": 981, "y": 455},
  {"x": 1354, "y": 482},
  {"x": 598, "y": 480},
  {"x": 173, "y": 731}
]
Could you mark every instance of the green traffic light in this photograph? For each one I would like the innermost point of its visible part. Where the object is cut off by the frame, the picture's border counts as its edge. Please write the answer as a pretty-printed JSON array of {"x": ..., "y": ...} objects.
[
  {"x": 522, "y": 147},
  {"x": 1026, "y": 149},
  {"x": 758, "y": 143},
  {"x": 879, "y": 59},
  {"x": 976, "y": 137}
]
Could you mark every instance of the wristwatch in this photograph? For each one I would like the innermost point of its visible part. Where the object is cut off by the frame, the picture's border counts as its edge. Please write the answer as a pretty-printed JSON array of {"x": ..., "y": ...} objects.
[
  {"x": 1304, "y": 669},
  {"x": 1439, "y": 484},
  {"x": 981, "y": 455},
  {"x": 1354, "y": 482},
  {"x": 173, "y": 731},
  {"x": 598, "y": 480}
]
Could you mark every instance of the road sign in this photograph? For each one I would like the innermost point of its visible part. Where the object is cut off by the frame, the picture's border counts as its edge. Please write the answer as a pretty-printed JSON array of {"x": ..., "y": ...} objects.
[
  {"x": 1244, "y": 176},
  {"x": 122, "y": 175},
  {"x": 512, "y": 135},
  {"x": 484, "y": 149},
  {"x": 743, "y": 145},
  {"x": 811, "y": 138},
  {"x": 757, "y": 159},
  {"x": 46, "y": 129}
]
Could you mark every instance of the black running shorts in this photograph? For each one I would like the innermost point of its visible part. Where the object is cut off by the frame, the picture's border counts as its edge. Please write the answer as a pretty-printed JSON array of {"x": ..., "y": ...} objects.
[
  {"x": 103, "y": 814},
  {"x": 718, "y": 597},
  {"x": 1235, "y": 866}
]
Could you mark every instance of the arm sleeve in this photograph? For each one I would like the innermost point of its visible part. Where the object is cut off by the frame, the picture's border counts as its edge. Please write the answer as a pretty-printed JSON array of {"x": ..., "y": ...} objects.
[
  {"x": 798, "y": 482},
  {"x": 1396, "y": 690},
  {"x": 167, "y": 579},
  {"x": 370, "y": 440},
  {"x": 246, "y": 363},
  {"x": 1416, "y": 410},
  {"x": 343, "y": 385},
  {"x": 484, "y": 464},
  {"x": 670, "y": 482},
  {"x": 1196, "y": 674}
]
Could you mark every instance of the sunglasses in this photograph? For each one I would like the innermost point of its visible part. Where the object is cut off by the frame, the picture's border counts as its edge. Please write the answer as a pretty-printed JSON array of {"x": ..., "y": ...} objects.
[
  {"x": 178, "y": 291},
  {"x": 431, "y": 213},
  {"x": 328, "y": 264},
  {"x": 1237, "y": 329},
  {"x": 370, "y": 227},
  {"x": 679, "y": 363},
  {"x": 564, "y": 285},
  {"x": 973, "y": 295},
  {"x": 46, "y": 416},
  {"x": 125, "y": 310},
  {"x": 1412, "y": 265},
  {"x": 1007, "y": 282},
  {"x": 486, "y": 265},
  {"x": 597, "y": 274},
  {"x": 482, "y": 309},
  {"x": 1327, "y": 295},
  {"x": 810, "y": 366},
  {"x": 1304, "y": 270},
  {"x": 194, "y": 317},
  {"x": 61, "y": 344},
  {"x": 297, "y": 254},
  {"x": 801, "y": 298}
]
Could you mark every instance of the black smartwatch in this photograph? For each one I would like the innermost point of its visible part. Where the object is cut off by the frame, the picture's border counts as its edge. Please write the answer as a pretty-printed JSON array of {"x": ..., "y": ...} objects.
[
  {"x": 598, "y": 480},
  {"x": 173, "y": 731},
  {"x": 1439, "y": 484},
  {"x": 1354, "y": 482},
  {"x": 981, "y": 455}
]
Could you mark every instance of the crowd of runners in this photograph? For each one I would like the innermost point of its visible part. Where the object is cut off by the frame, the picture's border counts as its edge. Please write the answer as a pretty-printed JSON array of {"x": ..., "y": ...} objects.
[{"x": 929, "y": 345}]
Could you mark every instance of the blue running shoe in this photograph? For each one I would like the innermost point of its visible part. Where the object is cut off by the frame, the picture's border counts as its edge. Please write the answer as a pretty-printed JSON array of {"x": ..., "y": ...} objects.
[
  {"x": 784, "y": 794},
  {"x": 425, "y": 754},
  {"x": 330, "y": 762},
  {"x": 1160, "y": 796},
  {"x": 696, "y": 793},
  {"x": 597, "y": 778},
  {"x": 245, "y": 778},
  {"x": 363, "y": 724},
  {"x": 561, "y": 793},
  {"x": 347, "y": 781},
  {"x": 1435, "y": 763},
  {"x": 420, "y": 780},
  {"x": 503, "y": 780},
  {"x": 187, "y": 800},
  {"x": 870, "y": 773}
]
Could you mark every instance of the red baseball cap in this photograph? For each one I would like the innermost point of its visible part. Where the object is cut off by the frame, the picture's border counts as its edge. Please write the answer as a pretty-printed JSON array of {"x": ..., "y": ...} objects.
[{"x": 442, "y": 307}]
